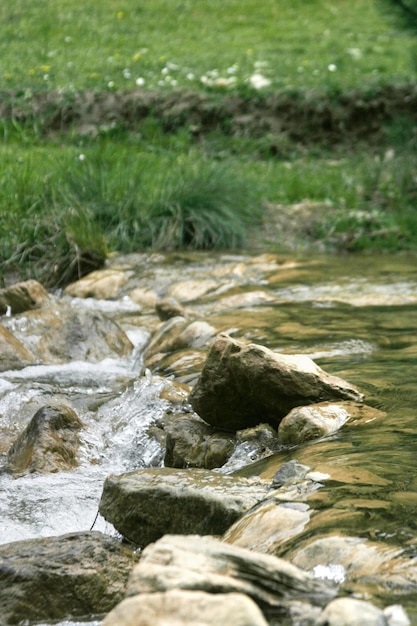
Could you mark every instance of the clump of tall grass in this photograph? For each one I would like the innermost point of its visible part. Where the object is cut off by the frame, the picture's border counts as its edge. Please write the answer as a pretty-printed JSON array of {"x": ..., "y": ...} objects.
[{"x": 65, "y": 221}]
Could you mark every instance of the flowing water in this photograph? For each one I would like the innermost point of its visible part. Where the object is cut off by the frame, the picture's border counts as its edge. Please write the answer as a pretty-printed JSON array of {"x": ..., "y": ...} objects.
[{"x": 356, "y": 317}]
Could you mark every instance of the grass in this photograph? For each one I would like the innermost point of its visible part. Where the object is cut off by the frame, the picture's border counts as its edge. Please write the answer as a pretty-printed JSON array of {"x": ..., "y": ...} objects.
[{"x": 68, "y": 199}]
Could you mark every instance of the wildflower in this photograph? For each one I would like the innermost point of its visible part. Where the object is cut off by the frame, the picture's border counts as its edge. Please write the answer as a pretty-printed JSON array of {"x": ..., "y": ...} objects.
[
  {"x": 332, "y": 67},
  {"x": 67, "y": 39},
  {"x": 355, "y": 53},
  {"x": 232, "y": 69},
  {"x": 137, "y": 56},
  {"x": 8, "y": 75},
  {"x": 258, "y": 81},
  {"x": 45, "y": 68},
  {"x": 94, "y": 75},
  {"x": 165, "y": 71},
  {"x": 110, "y": 84},
  {"x": 140, "y": 81},
  {"x": 81, "y": 157},
  {"x": 120, "y": 15},
  {"x": 190, "y": 76},
  {"x": 126, "y": 73}
]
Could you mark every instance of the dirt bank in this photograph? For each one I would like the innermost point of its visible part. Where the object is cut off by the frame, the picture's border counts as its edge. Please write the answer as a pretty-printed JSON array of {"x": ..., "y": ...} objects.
[{"x": 304, "y": 118}]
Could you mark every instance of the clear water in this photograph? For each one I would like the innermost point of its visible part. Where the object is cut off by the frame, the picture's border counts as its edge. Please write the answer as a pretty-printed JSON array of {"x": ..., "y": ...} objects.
[{"x": 357, "y": 317}]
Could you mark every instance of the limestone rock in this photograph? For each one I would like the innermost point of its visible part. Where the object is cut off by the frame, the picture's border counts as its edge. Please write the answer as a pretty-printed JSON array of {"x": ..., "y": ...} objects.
[
  {"x": 146, "y": 504},
  {"x": 48, "y": 444},
  {"x": 58, "y": 577},
  {"x": 101, "y": 284},
  {"x": 13, "y": 354},
  {"x": 268, "y": 526},
  {"x": 186, "y": 608},
  {"x": 83, "y": 336},
  {"x": 311, "y": 422},
  {"x": 191, "y": 443},
  {"x": 210, "y": 565},
  {"x": 242, "y": 385},
  {"x": 23, "y": 296},
  {"x": 351, "y": 612}
]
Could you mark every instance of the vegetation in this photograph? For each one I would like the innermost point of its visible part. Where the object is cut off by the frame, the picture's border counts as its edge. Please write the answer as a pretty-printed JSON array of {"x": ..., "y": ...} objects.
[{"x": 80, "y": 181}]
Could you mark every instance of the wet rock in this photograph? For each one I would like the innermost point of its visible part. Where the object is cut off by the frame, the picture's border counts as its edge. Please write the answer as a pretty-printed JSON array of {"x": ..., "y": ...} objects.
[
  {"x": 83, "y": 336},
  {"x": 178, "y": 334},
  {"x": 53, "y": 578},
  {"x": 242, "y": 385},
  {"x": 210, "y": 565},
  {"x": 13, "y": 354},
  {"x": 188, "y": 608},
  {"x": 146, "y": 504},
  {"x": 268, "y": 526},
  {"x": 169, "y": 307},
  {"x": 351, "y": 612},
  {"x": 23, "y": 296},
  {"x": 101, "y": 284},
  {"x": 184, "y": 365},
  {"x": 293, "y": 470},
  {"x": 49, "y": 443},
  {"x": 191, "y": 443},
  {"x": 190, "y": 290},
  {"x": 311, "y": 422}
]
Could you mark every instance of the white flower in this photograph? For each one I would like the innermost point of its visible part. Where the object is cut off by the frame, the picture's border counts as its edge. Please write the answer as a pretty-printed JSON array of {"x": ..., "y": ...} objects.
[
  {"x": 258, "y": 81},
  {"x": 140, "y": 81},
  {"x": 126, "y": 73},
  {"x": 232, "y": 69},
  {"x": 190, "y": 76},
  {"x": 110, "y": 83},
  {"x": 332, "y": 67},
  {"x": 355, "y": 53},
  {"x": 81, "y": 157},
  {"x": 165, "y": 71}
]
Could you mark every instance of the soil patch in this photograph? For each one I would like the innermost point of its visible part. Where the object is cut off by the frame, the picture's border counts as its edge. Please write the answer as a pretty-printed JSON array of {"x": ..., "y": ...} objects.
[{"x": 304, "y": 118}]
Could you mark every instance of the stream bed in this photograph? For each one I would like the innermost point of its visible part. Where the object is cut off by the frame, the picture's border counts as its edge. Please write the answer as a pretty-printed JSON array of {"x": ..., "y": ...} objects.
[{"x": 356, "y": 317}]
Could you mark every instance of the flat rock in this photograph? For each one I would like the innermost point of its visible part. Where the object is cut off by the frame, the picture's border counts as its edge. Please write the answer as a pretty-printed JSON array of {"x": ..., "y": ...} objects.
[
  {"x": 101, "y": 284},
  {"x": 146, "y": 504},
  {"x": 53, "y": 578},
  {"x": 243, "y": 384},
  {"x": 210, "y": 565},
  {"x": 186, "y": 608}
]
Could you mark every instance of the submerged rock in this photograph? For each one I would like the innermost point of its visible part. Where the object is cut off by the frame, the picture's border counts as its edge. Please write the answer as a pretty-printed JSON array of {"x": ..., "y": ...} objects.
[
  {"x": 210, "y": 565},
  {"x": 23, "y": 296},
  {"x": 186, "y": 608},
  {"x": 242, "y": 385},
  {"x": 53, "y": 578},
  {"x": 13, "y": 354},
  {"x": 48, "y": 444},
  {"x": 146, "y": 504},
  {"x": 311, "y": 422}
]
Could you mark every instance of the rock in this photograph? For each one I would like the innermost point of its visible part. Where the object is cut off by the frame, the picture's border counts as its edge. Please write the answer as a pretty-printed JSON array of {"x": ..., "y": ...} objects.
[
  {"x": 293, "y": 470},
  {"x": 13, "y": 354},
  {"x": 101, "y": 284},
  {"x": 351, "y": 612},
  {"x": 22, "y": 296},
  {"x": 190, "y": 290},
  {"x": 186, "y": 608},
  {"x": 59, "y": 577},
  {"x": 357, "y": 562},
  {"x": 83, "y": 336},
  {"x": 48, "y": 444},
  {"x": 146, "y": 504},
  {"x": 177, "y": 334},
  {"x": 311, "y": 422},
  {"x": 268, "y": 526},
  {"x": 242, "y": 385},
  {"x": 169, "y": 307},
  {"x": 210, "y": 565},
  {"x": 191, "y": 443},
  {"x": 184, "y": 365}
]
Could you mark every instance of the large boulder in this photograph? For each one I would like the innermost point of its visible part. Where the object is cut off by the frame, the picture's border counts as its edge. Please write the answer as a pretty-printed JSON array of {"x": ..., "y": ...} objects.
[
  {"x": 186, "y": 608},
  {"x": 207, "y": 564},
  {"x": 22, "y": 297},
  {"x": 146, "y": 504},
  {"x": 13, "y": 354},
  {"x": 59, "y": 577},
  {"x": 49, "y": 443},
  {"x": 243, "y": 384}
]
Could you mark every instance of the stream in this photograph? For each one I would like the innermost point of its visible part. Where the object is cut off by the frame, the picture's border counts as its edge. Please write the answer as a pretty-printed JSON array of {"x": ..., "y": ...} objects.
[{"x": 356, "y": 317}]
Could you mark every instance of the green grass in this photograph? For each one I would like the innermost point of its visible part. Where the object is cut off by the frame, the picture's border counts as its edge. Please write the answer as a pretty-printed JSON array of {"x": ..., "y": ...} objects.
[
  {"x": 67, "y": 200},
  {"x": 108, "y": 45}
]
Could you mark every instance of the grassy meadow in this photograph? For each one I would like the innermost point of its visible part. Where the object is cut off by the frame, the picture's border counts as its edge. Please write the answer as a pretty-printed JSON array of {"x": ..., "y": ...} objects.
[{"x": 68, "y": 198}]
